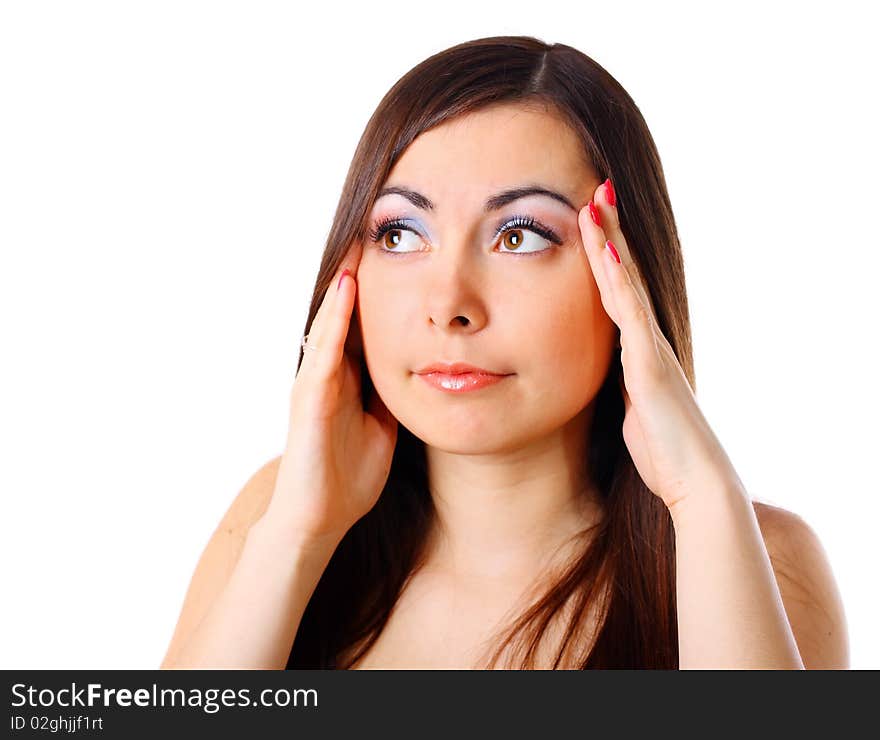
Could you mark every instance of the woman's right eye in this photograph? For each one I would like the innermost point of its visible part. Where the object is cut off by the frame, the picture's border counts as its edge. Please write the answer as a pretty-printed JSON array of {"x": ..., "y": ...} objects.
[{"x": 390, "y": 236}]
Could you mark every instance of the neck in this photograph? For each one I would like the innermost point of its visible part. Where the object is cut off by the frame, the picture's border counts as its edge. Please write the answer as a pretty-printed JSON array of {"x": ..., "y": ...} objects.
[{"x": 503, "y": 517}]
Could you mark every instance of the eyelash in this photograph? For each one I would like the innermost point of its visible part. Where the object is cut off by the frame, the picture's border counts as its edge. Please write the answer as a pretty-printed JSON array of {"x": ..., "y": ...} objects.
[{"x": 392, "y": 223}]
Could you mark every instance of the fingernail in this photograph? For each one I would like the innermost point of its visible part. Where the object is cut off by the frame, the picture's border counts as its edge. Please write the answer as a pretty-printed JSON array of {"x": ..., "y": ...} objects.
[
  {"x": 609, "y": 192},
  {"x": 594, "y": 214},
  {"x": 345, "y": 272},
  {"x": 613, "y": 251}
]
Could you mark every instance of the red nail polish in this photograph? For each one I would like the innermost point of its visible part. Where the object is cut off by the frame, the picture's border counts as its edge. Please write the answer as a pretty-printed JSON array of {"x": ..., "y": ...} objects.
[
  {"x": 613, "y": 251},
  {"x": 345, "y": 272},
  {"x": 609, "y": 192},
  {"x": 594, "y": 214}
]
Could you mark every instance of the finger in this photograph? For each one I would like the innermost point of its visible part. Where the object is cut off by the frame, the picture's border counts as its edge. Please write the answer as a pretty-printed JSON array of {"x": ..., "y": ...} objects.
[
  {"x": 350, "y": 262},
  {"x": 593, "y": 238},
  {"x": 321, "y": 329},
  {"x": 605, "y": 201},
  {"x": 636, "y": 322},
  {"x": 338, "y": 322},
  {"x": 315, "y": 329}
]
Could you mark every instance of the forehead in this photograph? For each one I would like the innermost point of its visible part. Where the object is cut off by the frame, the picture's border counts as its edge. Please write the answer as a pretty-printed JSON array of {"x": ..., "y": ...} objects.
[{"x": 459, "y": 161}]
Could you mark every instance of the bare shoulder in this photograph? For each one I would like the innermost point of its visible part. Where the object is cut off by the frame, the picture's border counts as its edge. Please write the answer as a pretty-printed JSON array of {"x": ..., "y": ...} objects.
[
  {"x": 222, "y": 553},
  {"x": 251, "y": 502},
  {"x": 806, "y": 582}
]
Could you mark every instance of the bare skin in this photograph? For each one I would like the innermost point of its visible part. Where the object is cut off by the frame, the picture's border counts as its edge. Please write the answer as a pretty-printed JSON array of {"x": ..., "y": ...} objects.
[
  {"x": 810, "y": 595},
  {"x": 443, "y": 622},
  {"x": 505, "y": 467},
  {"x": 505, "y": 463}
]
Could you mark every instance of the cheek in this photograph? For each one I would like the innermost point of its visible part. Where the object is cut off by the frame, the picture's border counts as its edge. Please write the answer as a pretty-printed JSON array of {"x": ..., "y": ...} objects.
[
  {"x": 383, "y": 314},
  {"x": 569, "y": 334},
  {"x": 552, "y": 321}
]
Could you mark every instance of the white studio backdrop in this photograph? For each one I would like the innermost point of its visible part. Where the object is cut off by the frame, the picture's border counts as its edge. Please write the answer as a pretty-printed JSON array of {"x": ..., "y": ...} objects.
[{"x": 168, "y": 176}]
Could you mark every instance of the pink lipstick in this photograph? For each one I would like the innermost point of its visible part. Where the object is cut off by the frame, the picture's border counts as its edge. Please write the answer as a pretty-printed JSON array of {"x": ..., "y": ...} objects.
[
  {"x": 459, "y": 377},
  {"x": 461, "y": 382}
]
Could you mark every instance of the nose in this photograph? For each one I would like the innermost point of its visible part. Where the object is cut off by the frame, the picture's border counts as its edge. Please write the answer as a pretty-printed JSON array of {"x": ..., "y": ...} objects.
[{"x": 455, "y": 293}]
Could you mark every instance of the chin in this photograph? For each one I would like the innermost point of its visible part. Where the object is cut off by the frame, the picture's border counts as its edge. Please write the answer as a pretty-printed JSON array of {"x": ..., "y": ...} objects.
[
  {"x": 465, "y": 429},
  {"x": 457, "y": 444}
]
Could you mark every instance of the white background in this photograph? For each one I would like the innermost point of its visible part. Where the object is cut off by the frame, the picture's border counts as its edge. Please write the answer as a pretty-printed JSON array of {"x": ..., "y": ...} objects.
[{"x": 168, "y": 175}]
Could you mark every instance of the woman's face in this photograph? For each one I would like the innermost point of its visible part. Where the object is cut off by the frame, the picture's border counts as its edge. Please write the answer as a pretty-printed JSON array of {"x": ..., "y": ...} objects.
[{"x": 450, "y": 290}]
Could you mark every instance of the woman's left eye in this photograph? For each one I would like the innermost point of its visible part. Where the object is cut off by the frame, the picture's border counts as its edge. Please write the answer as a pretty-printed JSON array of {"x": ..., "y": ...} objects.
[{"x": 513, "y": 234}]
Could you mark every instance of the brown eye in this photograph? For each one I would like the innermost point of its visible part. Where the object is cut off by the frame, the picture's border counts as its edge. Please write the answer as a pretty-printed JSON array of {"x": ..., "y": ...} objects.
[
  {"x": 515, "y": 235},
  {"x": 388, "y": 235},
  {"x": 513, "y": 239},
  {"x": 391, "y": 238}
]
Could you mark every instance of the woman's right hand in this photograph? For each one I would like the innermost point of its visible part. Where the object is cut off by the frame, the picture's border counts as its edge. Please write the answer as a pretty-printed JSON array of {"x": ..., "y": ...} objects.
[{"x": 338, "y": 456}]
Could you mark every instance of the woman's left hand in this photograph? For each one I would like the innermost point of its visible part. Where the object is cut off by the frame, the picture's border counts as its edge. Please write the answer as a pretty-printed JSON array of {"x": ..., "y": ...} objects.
[{"x": 673, "y": 448}]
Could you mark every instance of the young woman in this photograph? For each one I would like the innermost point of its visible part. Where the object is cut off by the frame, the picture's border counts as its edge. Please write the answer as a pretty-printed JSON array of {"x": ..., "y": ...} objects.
[{"x": 495, "y": 457}]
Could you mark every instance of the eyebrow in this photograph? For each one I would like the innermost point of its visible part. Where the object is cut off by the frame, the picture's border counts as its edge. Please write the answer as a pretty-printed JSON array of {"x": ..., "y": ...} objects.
[{"x": 493, "y": 203}]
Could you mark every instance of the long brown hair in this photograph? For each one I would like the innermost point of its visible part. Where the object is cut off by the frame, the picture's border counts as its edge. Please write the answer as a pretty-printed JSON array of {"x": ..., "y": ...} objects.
[{"x": 630, "y": 559}]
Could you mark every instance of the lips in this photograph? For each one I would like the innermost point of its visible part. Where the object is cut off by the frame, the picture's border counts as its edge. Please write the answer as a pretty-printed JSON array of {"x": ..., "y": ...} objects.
[
  {"x": 457, "y": 368},
  {"x": 461, "y": 382},
  {"x": 459, "y": 377}
]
